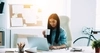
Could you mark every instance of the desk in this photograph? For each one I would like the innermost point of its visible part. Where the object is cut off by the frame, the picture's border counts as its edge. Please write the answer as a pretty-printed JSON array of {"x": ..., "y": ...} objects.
[{"x": 85, "y": 50}]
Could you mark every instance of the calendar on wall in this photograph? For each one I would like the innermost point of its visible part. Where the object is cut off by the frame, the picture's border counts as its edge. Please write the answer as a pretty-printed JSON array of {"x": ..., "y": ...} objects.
[{"x": 25, "y": 15}]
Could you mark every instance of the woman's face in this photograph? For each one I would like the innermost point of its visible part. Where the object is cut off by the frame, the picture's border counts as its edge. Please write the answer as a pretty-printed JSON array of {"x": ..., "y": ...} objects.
[{"x": 53, "y": 22}]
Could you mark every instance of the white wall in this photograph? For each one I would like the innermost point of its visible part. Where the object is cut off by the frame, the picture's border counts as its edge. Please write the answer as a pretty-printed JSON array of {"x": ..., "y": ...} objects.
[
  {"x": 97, "y": 15},
  {"x": 82, "y": 14}
]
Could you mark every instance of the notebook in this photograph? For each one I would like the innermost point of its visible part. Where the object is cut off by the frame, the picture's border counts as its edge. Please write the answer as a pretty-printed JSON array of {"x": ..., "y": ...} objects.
[{"x": 39, "y": 42}]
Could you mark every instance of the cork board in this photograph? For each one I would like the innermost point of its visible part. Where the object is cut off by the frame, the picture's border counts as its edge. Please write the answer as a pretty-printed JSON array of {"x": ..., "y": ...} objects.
[{"x": 28, "y": 15}]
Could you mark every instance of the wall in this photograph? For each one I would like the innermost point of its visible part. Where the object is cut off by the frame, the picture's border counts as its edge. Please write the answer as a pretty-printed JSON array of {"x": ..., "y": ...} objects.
[
  {"x": 97, "y": 14},
  {"x": 83, "y": 13}
]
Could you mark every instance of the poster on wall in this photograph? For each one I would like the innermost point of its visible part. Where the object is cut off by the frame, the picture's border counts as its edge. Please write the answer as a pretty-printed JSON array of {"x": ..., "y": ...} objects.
[{"x": 24, "y": 14}]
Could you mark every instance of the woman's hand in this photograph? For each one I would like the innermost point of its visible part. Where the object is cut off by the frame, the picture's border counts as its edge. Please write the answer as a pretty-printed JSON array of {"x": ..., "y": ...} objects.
[
  {"x": 57, "y": 47},
  {"x": 54, "y": 47},
  {"x": 44, "y": 34}
]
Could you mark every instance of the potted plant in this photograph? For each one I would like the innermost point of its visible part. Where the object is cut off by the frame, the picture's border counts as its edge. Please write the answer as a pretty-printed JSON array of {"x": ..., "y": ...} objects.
[{"x": 96, "y": 45}]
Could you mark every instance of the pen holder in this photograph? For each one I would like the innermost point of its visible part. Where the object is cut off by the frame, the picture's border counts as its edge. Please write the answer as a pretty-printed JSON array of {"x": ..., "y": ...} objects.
[
  {"x": 20, "y": 50},
  {"x": 20, "y": 47}
]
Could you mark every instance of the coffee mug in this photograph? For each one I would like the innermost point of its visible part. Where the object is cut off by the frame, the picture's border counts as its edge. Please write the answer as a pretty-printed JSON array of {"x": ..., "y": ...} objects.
[{"x": 47, "y": 32}]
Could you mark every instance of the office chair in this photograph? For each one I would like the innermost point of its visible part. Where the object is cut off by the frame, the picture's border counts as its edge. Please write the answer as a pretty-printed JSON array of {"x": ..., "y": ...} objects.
[{"x": 64, "y": 23}]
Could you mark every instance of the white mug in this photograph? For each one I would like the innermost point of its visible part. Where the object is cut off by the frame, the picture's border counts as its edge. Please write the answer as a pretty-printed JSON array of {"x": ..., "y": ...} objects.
[{"x": 47, "y": 32}]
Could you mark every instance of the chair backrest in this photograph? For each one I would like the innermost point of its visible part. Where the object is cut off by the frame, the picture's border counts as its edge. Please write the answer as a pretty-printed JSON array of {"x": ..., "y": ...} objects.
[{"x": 64, "y": 23}]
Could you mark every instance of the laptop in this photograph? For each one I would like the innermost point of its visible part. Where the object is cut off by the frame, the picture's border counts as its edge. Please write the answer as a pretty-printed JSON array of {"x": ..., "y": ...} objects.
[{"x": 39, "y": 42}]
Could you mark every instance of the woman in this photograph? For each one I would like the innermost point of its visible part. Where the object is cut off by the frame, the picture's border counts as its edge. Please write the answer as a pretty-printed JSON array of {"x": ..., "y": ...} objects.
[{"x": 57, "y": 37}]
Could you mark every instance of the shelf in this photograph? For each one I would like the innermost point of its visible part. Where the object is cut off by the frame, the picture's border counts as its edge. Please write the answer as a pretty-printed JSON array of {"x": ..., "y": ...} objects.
[{"x": 27, "y": 28}]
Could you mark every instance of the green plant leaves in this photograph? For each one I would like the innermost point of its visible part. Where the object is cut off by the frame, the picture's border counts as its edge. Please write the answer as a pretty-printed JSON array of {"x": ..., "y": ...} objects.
[{"x": 96, "y": 44}]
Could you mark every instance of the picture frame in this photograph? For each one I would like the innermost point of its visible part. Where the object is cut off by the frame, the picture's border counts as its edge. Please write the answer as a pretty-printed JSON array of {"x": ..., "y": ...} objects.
[{"x": 2, "y": 38}]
